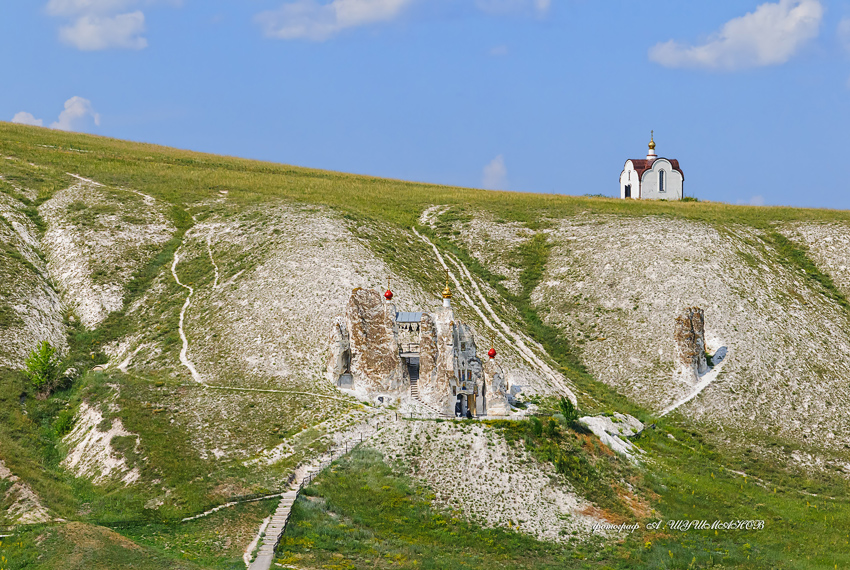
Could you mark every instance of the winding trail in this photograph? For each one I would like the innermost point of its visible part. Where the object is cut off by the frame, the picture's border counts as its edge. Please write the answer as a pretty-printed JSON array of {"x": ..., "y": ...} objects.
[
  {"x": 184, "y": 360},
  {"x": 212, "y": 260},
  {"x": 87, "y": 180},
  {"x": 184, "y": 352},
  {"x": 707, "y": 379},
  {"x": 554, "y": 377},
  {"x": 503, "y": 329},
  {"x": 230, "y": 504},
  {"x": 271, "y": 391}
]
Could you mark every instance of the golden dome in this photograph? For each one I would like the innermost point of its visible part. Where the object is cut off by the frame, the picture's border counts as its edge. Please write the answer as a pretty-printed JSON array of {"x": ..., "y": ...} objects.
[
  {"x": 652, "y": 140},
  {"x": 447, "y": 293}
]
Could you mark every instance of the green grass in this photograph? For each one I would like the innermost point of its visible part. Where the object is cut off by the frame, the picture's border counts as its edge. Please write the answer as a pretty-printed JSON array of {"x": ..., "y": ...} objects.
[
  {"x": 594, "y": 471},
  {"x": 27, "y": 442},
  {"x": 183, "y": 177},
  {"x": 360, "y": 514},
  {"x": 799, "y": 535},
  {"x": 691, "y": 481},
  {"x": 215, "y": 542},
  {"x": 80, "y": 546},
  {"x": 795, "y": 255}
]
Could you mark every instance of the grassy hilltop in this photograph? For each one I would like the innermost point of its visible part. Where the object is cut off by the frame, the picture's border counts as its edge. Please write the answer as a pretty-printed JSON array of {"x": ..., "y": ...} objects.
[{"x": 90, "y": 229}]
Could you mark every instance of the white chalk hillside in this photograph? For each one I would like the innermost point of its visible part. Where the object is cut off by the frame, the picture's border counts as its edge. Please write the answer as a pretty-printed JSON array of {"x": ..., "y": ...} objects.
[
  {"x": 614, "y": 286},
  {"x": 230, "y": 340}
]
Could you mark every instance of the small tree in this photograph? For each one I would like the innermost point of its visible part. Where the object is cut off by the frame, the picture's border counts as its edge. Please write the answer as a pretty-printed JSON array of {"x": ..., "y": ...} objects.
[
  {"x": 536, "y": 426},
  {"x": 569, "y": 411},
  {"x": 41, "y": 365}
]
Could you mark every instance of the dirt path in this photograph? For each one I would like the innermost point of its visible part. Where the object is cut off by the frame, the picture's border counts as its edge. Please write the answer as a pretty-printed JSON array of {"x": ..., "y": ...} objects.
[
  {"x": 184, "y": 359},
  {"x": 503, "y": 331},
  {"x": 184, "y": 351},
  {"x": 707, "y": 379},
  {"x": 212, "y": 260}
]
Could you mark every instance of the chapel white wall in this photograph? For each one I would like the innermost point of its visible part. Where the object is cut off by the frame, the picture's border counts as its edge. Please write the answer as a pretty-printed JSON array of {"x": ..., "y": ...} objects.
[
  {"x": 624, "y": 180},
  {"x": 649, "y": 182}
]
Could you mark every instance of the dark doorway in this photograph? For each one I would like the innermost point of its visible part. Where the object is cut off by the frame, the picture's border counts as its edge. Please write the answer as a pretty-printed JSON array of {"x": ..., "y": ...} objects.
[
  {"x": 346, "y": 380},
  {"x": 346, "y": 362},
  {"x": 628, "y": 190}
]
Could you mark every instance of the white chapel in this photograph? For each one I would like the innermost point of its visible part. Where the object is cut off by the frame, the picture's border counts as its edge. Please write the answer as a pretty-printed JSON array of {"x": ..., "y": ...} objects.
[{"x": 652, "y": 178}]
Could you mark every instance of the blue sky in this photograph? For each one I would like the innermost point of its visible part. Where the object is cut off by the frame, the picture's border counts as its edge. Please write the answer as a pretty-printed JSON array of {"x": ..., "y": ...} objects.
[{"x": 529, "y": 95}]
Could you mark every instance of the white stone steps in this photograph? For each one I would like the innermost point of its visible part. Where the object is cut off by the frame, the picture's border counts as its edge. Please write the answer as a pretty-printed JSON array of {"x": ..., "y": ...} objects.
[{"x": 277, "y": 525}]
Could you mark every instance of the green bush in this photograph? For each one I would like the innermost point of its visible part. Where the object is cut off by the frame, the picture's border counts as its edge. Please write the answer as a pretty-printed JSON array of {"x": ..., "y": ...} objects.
[
  {"x": 64, "y": 422},
  {"x": 569, "y": 411},
  {"x": 41, "y": 365},
  {"x": 536, "y": 426},
  {"x": 552, "y": 429}
]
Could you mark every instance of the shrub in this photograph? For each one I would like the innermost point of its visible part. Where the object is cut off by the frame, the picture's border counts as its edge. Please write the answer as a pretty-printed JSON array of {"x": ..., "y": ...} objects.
[
  {"x": 64, "y": 422},
  {"x": 569, "y": 411},
  {"x": 41, "y": 365},
  {"x": 536, "y": 427}
]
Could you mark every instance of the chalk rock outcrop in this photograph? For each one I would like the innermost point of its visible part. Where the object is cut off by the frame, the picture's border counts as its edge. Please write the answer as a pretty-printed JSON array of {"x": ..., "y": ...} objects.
[
  {"x": 613, "y": 431},
  {"x": 428, "y": 356},
  {"x": 21, "y": 504},
  {"x": 428, "y": 359},
  {"x": 339, "y": 354},
  {"x": 496, "y": 394},
  {"x": 689, "y": 334},
  {"x": 446, "y": 373},
  {"x": 373, "y": 341}
]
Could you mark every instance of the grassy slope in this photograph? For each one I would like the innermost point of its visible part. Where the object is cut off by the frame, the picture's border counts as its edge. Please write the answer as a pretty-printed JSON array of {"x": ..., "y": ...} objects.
[
  {"x": 184, "y": 179},
  {"x": 360, "y": 514},
  {"x": 215, "y": 542}
]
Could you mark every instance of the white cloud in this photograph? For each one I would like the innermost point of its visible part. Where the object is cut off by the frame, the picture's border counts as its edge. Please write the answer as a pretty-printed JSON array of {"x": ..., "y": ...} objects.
[
  {"x": 312, "y": 20},
  {"x": 94, "y": 25},
  {"x": 87, "y": 7},
  {"x": 495, "y": 174},
  {"x": 770, "y": 35},
  {"x": 77, "y": 115},
  {"x": 757, "y": 200},
  {"x": 499, "y": 51},
  {"x": 93, "y": 33},
  {"x": 24, "y": 118},
  {"x": 541, "y": 7}
]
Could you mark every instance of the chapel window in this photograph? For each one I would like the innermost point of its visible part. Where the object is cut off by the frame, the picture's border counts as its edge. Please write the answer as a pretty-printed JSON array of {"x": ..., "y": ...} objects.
[{"x": 661, "y": 187}]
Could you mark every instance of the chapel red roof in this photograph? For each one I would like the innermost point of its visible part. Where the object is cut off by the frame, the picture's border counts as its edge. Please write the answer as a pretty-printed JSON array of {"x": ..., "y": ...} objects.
[{"x": 642, "y": 165}]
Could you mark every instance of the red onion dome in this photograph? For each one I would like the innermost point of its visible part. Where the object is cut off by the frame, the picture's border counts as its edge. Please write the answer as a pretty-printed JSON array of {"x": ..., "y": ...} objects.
[
  {"x": 492, "y": 353},
  {"x": 388, "y": 295}
]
